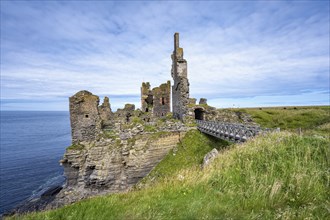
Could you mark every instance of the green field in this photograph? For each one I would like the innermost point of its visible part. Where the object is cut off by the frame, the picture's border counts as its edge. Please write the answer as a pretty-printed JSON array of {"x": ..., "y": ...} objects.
[
  {"x": 289, "y": 117},
  {"x": 281, "y": 175}
]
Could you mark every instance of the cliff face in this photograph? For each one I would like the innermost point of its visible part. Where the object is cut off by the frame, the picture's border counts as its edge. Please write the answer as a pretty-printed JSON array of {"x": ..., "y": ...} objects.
[{"x": 112, "y": 164}]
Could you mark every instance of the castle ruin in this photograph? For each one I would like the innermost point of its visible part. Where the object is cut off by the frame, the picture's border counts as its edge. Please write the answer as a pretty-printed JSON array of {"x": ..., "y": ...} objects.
[
  {"x": 180, "y": 89},
  {"x": 88, "y": 118},
  {"x": 84, "y": 116},
  {"x": 158, "y": 100}
]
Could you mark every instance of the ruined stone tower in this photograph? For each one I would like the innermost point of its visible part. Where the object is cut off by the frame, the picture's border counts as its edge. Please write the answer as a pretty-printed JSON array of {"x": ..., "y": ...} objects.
[
  {"x": 87, "y": 117},
  {"x": 180, "y": 89},
  {"x": 157, "y": 101},
  {"x": 84, "y": 116}
]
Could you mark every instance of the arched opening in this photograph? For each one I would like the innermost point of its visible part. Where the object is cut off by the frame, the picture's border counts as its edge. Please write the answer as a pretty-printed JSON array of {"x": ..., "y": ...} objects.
[
  {"x": 163, "y": 101},
  {"x": 199, "y": 114},
  {"x": 147, "y": 110}
]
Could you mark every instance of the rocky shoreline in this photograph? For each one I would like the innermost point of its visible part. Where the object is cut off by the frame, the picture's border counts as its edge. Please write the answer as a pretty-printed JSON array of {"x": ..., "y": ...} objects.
[{"x": 35, "y": 204}]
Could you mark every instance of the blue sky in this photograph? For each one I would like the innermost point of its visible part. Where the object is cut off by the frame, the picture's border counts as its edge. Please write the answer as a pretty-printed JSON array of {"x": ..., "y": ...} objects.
[{"x": 243, "y": 54}]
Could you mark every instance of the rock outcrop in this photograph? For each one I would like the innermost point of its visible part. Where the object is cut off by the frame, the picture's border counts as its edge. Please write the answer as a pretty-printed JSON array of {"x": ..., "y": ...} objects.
[
  {"x": 112, "y": 164},
  {"x": 209, "y": 157}
]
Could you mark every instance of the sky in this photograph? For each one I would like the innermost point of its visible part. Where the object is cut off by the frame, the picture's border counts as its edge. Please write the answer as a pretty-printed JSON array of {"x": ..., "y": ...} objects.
[{"x": 239, "y": 53}]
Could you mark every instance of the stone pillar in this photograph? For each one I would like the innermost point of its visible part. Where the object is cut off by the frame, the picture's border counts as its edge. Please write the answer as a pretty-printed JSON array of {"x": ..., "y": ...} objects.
[
  {"x": 180, "y": 89},
  {"x": 176, "y": 41},
  {"x": 146, "y": 97},
  {"x": 105, "y": 112}
]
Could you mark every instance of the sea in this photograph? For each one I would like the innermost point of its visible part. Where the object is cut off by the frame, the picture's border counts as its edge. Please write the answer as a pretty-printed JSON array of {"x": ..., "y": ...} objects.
[{"x": 31, "y": 145}]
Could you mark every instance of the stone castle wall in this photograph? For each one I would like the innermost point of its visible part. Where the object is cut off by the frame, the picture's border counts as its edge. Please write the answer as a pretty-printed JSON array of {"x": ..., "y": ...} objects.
[
  {"x": 146, "y": 97},
  {"x": 180, "y": 89},
  {"x": 162, "y": 99},
  {"x": 84, "y": 116},
  {"x": 87, "y": 117},
  {"x": 158, "y": 100}
]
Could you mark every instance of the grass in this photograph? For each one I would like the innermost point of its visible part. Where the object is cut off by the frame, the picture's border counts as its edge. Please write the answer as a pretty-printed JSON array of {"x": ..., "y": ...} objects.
[
  {"x": 109, "y": 134},
  {"x": 188, "y": 153},
  {"x": 75, "y": 147},
  {"x": 276, "y": 176},
  {"x": 150, "y": 128},
  {"x": 290, "y": 117}
]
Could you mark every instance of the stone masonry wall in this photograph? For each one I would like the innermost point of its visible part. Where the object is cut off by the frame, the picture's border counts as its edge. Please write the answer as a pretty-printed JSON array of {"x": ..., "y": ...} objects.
[
  {"x": 162, "y": 99},
  {"x": 180, "y": 89},
  {"x": 105, "y": 112},
  {"x": 84, "y": 116},
  {"x": 158, "y": 100},
  {"x": 146, "y": 97}
]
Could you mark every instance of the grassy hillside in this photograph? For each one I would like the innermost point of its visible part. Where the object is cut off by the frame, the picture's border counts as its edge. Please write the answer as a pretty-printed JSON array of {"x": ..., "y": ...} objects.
[
  {"x": 277, "y": 176},
  {"x": 290, "y": 117}
]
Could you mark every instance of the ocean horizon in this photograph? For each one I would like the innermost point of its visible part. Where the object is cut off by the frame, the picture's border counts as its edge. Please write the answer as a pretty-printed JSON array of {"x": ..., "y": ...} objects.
[{"x": 31, "y": 145}]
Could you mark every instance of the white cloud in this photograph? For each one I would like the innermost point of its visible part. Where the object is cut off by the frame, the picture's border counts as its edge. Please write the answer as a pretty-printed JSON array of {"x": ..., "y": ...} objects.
[{"x": 232, "y": 49}]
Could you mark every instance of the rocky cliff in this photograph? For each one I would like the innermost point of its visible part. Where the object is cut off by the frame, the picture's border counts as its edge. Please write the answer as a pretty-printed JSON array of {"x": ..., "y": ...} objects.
[{"x": 114, "y": 162}]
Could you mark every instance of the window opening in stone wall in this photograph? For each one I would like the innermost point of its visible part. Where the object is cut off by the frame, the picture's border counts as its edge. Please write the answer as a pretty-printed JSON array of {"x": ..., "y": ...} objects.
[
  {"x": 147, "y": 110},
  {"x": 163, "y": 101},
  {"x": 86, "y": 116}
]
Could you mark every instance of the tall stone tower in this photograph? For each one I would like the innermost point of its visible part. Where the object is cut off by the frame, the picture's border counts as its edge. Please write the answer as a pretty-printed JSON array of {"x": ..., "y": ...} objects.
[
  {"x": 180, "y": 89},
  {"x": 84, "y": 116}
]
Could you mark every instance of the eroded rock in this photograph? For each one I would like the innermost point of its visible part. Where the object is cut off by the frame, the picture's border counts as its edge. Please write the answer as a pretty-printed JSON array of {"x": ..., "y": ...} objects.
[{"x": 209, "y": 157}]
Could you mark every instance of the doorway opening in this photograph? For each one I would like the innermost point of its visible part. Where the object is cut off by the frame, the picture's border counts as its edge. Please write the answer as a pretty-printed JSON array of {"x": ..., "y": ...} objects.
[{"x": 199, "y": 114}]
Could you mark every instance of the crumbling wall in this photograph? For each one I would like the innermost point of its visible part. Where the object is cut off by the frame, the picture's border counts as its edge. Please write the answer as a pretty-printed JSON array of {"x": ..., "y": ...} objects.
[
  {"x": 158, "y": 100},
  {"x": 203, "y": 101},
  {"x": 124, "y": 115},
  {"x": 84, "y": 116},
  {"x": 180, "y": 89},
  {"x": 162, "y": 99},
  {"x": 105, "y": 112},
  {"x": 192, "y": 101},
  {"x": 146, "y": 97}
]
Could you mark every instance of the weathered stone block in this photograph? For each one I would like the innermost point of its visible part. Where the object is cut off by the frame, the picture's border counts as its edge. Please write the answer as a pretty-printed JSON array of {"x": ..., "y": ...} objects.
[{"x": 209, "y": 157}]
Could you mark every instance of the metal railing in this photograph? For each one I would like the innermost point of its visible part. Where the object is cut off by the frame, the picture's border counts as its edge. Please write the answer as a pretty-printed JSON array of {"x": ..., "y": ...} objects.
[{"x": 229, "y": 131}]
